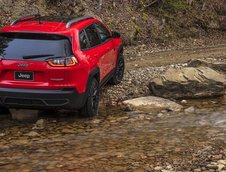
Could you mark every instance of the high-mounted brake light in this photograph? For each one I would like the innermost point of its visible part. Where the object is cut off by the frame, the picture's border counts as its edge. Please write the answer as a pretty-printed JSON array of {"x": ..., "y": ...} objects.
[{"x": 63, "y": 62}]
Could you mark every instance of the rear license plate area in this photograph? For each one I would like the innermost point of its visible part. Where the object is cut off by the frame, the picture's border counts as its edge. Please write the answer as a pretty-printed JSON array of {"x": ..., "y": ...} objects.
[{"x": 24, "y": 75}]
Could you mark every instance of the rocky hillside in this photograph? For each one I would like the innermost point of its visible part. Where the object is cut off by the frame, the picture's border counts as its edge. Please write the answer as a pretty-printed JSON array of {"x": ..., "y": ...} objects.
[{"x": 139, "y": 20}]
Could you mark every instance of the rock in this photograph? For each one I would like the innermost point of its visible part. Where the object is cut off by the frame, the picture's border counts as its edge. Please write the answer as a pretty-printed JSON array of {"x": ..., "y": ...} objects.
[
  {"x": 222, "y": 162},
  {"x": 169, "y": 167},
  {"x": 190, "y": 110},
  {"x": 220, "y": 167},
  {"x": 2, "y": 134},
  {"x": 40, "y": 122},
  {"x": 212, "y": 166},
  {"x": 32, "y": 134},
  {"x": 197, "y": 170},
  {"x": 184, "y": 101},
  {"x": 96, "y": 121},
  {"x": 189, "y": 82},
  {"x": 24, "y": 115},
  {"x": 158, "y": 168},
  {"x": 152, "y": 103},
  {"x": 167, "y": 171},
  {"x": 219, "y": 66},
  {"x": 39, "y": 125},
  {"x": 160, "y": 115},
  {"x": 68, "y": 131}
]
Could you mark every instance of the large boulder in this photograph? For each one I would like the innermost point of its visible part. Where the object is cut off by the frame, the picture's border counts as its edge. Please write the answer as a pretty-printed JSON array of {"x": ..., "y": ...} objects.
[
  {"x": 218, "y": 66},
  {"x": 189, "y": 82},
  {"x": 152, "y": 103}
]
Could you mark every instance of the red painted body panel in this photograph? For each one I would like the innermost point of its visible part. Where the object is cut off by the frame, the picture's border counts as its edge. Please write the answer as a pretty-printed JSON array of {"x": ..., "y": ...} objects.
[{"x": 103, "y": 56}]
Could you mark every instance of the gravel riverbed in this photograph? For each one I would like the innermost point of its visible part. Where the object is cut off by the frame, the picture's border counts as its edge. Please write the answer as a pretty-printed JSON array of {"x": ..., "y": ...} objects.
[{"x": 118, "y": 141}]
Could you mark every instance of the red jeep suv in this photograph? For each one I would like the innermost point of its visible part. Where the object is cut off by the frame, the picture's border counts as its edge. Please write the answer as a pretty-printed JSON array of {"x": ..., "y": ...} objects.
[{"x": 58, "y": 63}]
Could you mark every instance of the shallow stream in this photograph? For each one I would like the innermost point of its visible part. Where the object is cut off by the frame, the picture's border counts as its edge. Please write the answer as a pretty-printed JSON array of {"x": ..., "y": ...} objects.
[{"x": 115, "y": 140}]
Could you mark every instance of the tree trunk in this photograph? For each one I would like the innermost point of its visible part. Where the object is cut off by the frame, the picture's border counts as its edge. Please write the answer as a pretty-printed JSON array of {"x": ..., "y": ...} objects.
[
  {"x": 100, "y": 5},
  {"x": 189, "y": 2},
  {"x": 204, "y": 5}
]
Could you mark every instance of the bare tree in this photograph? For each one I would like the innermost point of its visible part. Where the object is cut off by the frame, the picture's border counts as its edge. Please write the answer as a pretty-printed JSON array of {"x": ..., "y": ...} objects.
[
  {"x": 204, "y": 5},
  {"x": 101, "y": 4},
  {"x": 151, "y": 2},
  {"x": 189, "y": 2}
]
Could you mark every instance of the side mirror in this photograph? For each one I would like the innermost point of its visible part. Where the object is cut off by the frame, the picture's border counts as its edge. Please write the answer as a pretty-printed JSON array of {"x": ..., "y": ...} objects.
[{"x": 116, "y": 34}]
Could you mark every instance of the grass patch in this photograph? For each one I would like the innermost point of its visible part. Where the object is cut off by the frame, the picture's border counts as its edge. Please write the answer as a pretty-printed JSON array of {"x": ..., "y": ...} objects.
[
  {"x": 175, "y": 6},
  {"x": 170, "y": 8}
]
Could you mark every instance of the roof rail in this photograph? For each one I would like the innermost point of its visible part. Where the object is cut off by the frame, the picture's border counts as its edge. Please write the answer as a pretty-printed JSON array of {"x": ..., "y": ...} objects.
[
  {"x": 25, "y": 18},
  {"x": 71, "y": 22}
]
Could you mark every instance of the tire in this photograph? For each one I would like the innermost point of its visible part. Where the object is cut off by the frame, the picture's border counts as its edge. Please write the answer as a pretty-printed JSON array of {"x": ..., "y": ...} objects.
[
  {"x": 119, "y": 71},
  {"x": 90, "y": 109}
]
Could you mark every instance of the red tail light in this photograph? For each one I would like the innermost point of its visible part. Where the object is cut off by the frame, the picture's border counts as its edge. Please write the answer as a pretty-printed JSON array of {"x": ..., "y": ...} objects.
[{"x": 63, "y": 62}]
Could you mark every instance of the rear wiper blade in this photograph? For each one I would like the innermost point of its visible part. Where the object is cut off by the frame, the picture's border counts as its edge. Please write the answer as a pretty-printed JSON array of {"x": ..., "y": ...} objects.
[{"x": 37, "y": 56}]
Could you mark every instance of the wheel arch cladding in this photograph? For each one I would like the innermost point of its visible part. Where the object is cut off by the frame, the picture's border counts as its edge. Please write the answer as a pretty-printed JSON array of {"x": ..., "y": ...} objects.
[
  {"x": 95, "y": 73},
  {"x": 120, "y": 49}
]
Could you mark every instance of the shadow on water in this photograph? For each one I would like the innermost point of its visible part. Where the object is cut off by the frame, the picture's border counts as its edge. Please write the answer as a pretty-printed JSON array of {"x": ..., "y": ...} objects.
[{"x": 114, "y": 140}]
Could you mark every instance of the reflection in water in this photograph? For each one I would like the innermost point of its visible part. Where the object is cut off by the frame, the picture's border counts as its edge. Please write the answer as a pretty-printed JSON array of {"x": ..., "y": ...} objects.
[{"x": 113, "y": 141}]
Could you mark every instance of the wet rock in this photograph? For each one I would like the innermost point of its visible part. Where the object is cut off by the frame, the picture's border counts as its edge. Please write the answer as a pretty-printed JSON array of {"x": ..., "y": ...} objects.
[
  {"x": 184, "y": 101},
  {"x": 222, "y": 162},
  {"x": 96, "y": 121},
  {"x": 220, "y": 167},
  {"x": 212, "y": 166},
  {"x": 158, "y": 168},
  {"x": 190, "y": 110},
  {"x": 152, "y": 103},
  {"x": 40, "y": 122},
  {"x": 167, "y": 171},
  {"x": 32, "y": 134},
  {"x": 2, "y": 134},
  {"x": 39, "y": 125},
  {"x": 160, "y": 115},
  {"x": 68, "y": 131},
  {"x": 24, "y": 115},
  {"x": 189, "y": 82},
  {"x": 148, "y": 170}
]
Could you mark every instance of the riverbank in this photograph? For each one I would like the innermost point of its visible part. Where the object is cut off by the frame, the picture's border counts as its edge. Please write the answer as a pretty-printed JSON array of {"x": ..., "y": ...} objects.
[{"x": 141, "y": 68}]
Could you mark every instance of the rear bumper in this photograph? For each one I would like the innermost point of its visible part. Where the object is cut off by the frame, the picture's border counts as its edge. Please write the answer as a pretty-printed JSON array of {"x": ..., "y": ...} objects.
[{"x": 41, "y": 99}]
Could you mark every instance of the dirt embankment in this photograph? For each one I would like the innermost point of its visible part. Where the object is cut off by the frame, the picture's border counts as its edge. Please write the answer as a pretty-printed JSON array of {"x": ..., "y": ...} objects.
[{"x": 161, "y": 23}]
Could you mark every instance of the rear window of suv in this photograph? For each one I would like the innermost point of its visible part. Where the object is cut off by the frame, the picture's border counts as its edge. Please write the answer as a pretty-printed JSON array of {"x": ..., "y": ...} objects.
[{"x": 21, "y": 46}]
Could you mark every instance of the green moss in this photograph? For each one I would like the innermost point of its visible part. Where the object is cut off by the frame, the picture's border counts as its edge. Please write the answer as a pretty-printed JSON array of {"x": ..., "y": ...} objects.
[
  {"x": 175, "y": 6},
  {"x": 136, "y": 27},
  {"x": 145, "y": 16},
  {"x": 109, "y": 22},
  {"x": 169, "y": 8}
]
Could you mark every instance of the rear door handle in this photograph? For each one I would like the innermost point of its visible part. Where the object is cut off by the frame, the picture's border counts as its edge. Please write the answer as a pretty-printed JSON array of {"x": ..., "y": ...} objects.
[
  {"x": 96, "y": 55},
  {"x": 108, "y": 48}
]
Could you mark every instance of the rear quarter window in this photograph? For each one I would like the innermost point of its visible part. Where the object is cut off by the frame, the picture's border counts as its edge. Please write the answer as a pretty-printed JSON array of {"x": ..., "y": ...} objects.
[
  {"x": 92, "y": 35},
  {"x": 103, "y": 32},
  {"x": 84, "y": 43}
]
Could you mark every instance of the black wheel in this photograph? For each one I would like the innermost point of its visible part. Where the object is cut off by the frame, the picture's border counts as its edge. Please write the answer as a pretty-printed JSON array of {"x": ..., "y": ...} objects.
[
  {"x": 91, "y": 106},
  {"x": 119, "y": 71}
]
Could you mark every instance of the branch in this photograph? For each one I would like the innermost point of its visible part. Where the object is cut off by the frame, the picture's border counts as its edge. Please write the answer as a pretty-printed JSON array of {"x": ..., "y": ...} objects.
[{"x": 151, "y": 3}]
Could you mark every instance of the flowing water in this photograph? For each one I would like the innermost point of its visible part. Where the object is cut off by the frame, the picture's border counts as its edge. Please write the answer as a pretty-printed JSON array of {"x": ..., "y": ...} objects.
[{"x": 113, "y": 141}]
